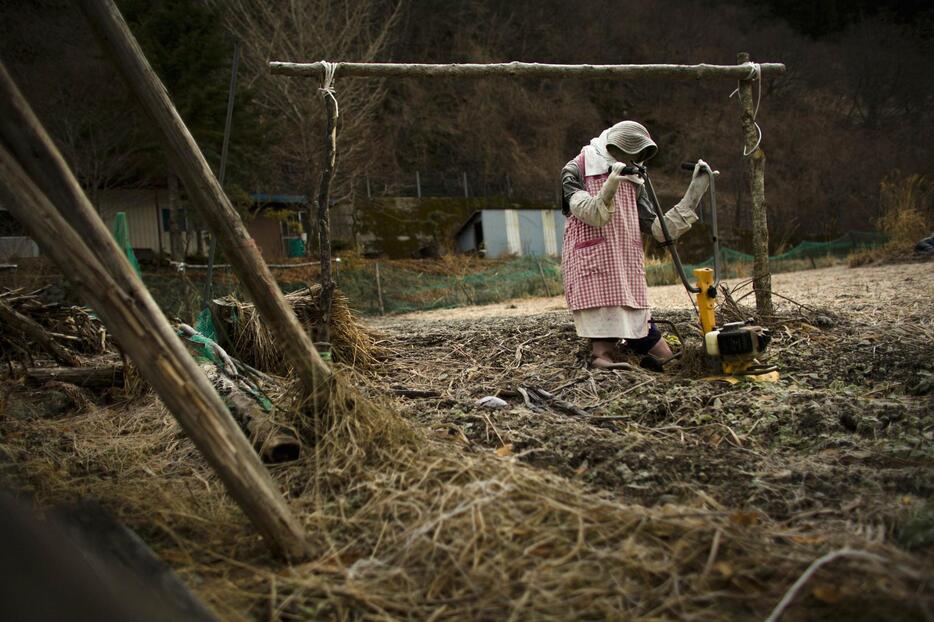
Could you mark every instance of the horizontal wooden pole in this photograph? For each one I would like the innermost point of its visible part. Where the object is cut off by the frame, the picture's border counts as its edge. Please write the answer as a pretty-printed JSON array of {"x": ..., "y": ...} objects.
[{"x": 517, "y": 69}]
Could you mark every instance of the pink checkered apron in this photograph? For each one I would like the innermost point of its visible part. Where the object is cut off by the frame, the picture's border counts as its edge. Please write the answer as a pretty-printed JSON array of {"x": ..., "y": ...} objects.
[{"x": 604, "y": 267}]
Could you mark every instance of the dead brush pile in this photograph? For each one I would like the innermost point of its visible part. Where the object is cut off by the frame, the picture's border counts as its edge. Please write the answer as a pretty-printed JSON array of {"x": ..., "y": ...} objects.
[
  {"x": 351, "y": 343},
  {"x": 72, "y": 331},
  {"x": 407, "y": 526},
  {"x": 730, "y": 308}
]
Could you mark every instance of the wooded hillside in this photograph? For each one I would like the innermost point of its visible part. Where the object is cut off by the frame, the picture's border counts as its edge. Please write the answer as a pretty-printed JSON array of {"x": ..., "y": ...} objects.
[{"x": 853, "y": 110}]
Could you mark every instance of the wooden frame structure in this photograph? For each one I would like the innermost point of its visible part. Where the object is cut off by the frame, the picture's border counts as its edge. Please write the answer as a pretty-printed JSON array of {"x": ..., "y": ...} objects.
[{"x": 745, "y": 73}]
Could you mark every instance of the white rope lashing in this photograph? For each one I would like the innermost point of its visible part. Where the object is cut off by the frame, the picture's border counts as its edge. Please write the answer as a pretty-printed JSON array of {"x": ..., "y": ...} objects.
[
  {"x": 327, "y": 87},
  {"x": 755, "y": 73}
]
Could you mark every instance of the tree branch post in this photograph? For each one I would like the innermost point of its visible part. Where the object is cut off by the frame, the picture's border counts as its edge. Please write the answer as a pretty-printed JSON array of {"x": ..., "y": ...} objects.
[
  {"x": 324, "y": 221},
  {"x": 208, "y": 197},
  {"x": 755, "y": 176}
]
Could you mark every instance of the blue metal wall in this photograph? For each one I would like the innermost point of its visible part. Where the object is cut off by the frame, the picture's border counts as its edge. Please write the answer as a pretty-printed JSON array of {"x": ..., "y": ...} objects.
[
  {"x": 531, "y": 233},
  {"x": 494, "y": 232}
]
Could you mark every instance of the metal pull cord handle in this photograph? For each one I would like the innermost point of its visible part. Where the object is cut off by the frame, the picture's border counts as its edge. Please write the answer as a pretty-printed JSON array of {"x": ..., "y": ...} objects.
[{"x": 714, "y": 232}]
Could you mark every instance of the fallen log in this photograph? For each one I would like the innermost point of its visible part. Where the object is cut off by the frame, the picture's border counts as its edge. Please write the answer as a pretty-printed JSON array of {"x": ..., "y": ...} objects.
[
  {"x": 90, "y": 377},
  {"x": 273, "y": 442}
]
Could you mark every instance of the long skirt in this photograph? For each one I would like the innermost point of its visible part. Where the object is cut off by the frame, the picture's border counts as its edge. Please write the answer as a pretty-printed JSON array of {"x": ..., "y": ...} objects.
[{"x": 612, "y": 322}]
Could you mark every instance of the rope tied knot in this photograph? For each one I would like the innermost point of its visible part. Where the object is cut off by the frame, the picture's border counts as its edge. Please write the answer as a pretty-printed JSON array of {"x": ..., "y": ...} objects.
[
  {"x": 755, "y": 74},
  {"x": 327, "y": 86}
]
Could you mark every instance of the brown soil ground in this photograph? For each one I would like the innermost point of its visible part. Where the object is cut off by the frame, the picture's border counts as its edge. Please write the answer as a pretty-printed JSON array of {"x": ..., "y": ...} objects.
[
  {"x": 839, "y": 287},
  {"x": 843, "y": 439}
]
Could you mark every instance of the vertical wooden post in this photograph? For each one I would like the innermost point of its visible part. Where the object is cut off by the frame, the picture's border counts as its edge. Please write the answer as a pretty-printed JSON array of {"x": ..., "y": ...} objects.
[
  {"x": 755, "y": 175},
  {"x": 147, "y": 338},
  {"x": 209, "y": 198},
  {"x": 175, "y": 233},
  {"x": 324, "y": 221},
  {"x": 379, "y": 292}
]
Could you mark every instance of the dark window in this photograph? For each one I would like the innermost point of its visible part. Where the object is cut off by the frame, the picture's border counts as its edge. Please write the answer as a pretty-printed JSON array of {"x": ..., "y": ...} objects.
[
  {"x": 180, "y": 214},
  {"x": 9, "y": 226}
]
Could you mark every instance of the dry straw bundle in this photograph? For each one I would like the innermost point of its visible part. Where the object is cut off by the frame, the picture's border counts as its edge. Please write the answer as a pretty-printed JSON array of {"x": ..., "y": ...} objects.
[
  {"x": 351, "y": 343},
  {"x": 410, "y": 527}
]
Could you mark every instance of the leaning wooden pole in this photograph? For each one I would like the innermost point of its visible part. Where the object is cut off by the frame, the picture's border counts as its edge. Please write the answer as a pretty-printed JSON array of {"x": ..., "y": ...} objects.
[
  {"x": 209, "y": 198},
  {"x": 324, "y": 218},
  {"x": 148, "y": 339},
  {"x": 755, "y": 176}
]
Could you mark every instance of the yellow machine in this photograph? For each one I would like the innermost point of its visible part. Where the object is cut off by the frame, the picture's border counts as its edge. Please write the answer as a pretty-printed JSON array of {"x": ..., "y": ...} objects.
[
  {"x": 734, "y": 346},
  {"x": 732, "y": 349}
]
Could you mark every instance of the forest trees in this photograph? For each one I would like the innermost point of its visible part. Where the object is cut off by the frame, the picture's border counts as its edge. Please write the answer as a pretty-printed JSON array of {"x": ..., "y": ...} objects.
[
  {"x": 190, "y": 50},
  {"x": 316, "y": 29}
]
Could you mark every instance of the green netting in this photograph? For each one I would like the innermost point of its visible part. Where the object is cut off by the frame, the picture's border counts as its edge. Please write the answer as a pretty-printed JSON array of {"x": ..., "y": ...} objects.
[
  {"x": 122, "y": 235},
  {"x": 205, "y": 324},
  {"x": 206, "y": 350},
  {"x": 802, "y": 256},
  {"x": 405, "y": 289},
  {"x": 205, "y": 347},
  {"x": 296, "y": 247}
]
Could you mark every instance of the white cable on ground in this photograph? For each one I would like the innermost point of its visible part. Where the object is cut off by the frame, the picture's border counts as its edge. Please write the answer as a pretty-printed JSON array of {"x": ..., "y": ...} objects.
[
  {"x": 755, "y": 73},
  {"x": 327, "y": 87},
  {"x": 815, "y": 565}
]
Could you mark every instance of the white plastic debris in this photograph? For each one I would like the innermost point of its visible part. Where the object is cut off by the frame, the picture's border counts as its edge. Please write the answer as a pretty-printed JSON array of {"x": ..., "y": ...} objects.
[{"x": 491, "y": 401}]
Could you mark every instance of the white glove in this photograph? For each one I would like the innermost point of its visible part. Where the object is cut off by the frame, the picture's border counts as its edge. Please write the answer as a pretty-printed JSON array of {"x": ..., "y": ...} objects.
[{"x": 680, "y": 218}]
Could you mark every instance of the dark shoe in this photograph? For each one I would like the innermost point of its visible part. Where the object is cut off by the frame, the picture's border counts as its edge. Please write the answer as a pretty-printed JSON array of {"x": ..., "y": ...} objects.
[{"x": 651, "y": 363}]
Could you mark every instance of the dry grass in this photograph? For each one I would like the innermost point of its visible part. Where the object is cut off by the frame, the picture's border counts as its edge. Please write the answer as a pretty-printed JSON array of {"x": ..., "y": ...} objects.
[
  {"x": 351, "y": 343},
  {"x": 908, "y": 210},
  {"x": 408, "y": 527}
]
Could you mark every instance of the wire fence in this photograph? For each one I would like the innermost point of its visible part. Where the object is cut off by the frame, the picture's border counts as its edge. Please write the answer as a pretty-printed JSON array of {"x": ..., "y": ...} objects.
[
  {"x": 450, "y": 184},
  {"x": 398, "y": 286}
]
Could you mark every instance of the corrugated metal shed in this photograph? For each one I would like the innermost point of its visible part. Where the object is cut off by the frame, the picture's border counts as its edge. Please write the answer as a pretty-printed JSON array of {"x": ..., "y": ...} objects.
[{"x": 496, "y": 232}]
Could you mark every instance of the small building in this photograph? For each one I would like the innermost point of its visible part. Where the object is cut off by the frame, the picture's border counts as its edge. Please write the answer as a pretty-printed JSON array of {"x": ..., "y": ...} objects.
[
  {"x": 497, "y": 232},
  {"x": 14, "y": 243},
  {"x": 277, "y": 224},
  {"x": 275, "y": 221}
]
